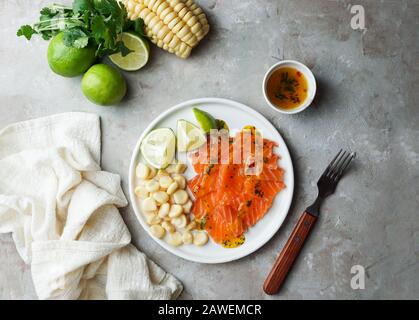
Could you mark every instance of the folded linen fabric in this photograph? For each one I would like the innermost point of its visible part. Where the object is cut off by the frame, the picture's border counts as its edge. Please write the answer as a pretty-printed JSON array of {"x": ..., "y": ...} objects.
[{"x": 62, "y": 212}]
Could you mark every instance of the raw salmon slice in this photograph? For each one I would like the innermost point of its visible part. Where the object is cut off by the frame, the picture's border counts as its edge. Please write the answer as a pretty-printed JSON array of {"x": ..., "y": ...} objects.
[{"x": 228, "y": 200}]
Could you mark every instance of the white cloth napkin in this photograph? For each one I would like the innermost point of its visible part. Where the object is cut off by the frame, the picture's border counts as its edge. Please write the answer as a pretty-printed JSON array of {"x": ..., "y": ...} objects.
[{"x": 62, "y": 212}]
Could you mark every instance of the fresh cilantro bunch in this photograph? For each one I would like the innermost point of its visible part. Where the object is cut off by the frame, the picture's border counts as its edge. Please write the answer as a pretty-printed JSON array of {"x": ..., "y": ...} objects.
[{"x": 86, "y": 22}]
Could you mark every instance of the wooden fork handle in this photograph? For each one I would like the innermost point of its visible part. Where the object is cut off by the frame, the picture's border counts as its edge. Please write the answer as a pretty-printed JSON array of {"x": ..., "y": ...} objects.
[{"x": 289, "y": 253}]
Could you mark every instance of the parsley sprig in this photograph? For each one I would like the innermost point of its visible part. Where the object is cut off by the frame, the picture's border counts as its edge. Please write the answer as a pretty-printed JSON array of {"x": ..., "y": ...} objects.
[{"x": 86, "y": 22}]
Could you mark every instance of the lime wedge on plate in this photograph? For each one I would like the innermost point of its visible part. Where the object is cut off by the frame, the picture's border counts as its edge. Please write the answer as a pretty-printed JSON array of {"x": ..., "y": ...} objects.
[
  {"x": 159, "y": 147},
  {"x": 137, "y": 58},
  {"x": 221, "y": 124},
  {"x": 205, "y": 120},
  {"x": 189, "y": 136}
]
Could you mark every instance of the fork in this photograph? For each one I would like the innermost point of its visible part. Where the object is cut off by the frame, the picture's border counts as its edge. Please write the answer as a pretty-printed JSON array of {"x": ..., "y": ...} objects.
[{"x": 326, "y": 186}]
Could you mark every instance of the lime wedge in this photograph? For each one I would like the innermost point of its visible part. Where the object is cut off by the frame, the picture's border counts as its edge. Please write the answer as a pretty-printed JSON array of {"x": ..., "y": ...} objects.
[
  {"x": 137, "y": 58},
  {"x": 189, "y": 136},
  {"x": 205, "y": 120},
  {"x": 249, "y": 127},
  {"x": 221, "y": 124},
  {"x": 159, "y": 147}
]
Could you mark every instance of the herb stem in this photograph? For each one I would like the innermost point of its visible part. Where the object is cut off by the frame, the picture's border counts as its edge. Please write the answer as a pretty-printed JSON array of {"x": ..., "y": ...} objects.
[
  {"x": 57, "y": 20},
  {"x": 60, "y": 6}
]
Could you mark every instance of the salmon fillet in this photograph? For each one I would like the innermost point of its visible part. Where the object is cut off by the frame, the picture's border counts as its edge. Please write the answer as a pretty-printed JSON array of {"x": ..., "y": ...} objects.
[{"x": 228, "y": 200}]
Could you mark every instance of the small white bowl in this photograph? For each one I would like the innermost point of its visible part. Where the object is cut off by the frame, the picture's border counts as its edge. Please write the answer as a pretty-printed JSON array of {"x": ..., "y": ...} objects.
[{"x": 311, "y": 83}]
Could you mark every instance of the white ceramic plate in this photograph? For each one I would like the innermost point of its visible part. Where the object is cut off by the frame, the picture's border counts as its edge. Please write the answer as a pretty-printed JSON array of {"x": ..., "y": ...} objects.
[{"x": 237, "y": 116}]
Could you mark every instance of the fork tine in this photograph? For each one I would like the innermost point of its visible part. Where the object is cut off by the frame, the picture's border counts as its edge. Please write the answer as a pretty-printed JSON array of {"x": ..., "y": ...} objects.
[
  {"x": 344, "y": 166},
  {"x": 336, "y": 165},
  {"x": 340, "y": 165},
  {"x": 325, "y": 173}
]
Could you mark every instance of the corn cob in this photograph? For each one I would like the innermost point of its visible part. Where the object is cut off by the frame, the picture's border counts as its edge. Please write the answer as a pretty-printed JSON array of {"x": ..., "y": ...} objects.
[{"x": 176, "y": 26}]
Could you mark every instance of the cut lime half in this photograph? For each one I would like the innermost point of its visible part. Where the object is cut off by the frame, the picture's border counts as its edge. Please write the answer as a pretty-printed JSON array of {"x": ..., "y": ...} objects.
[
  {"x": 137, "y": 58},
  {"x": 158, "y": 147},
  {"x": 189, "y": 136}
]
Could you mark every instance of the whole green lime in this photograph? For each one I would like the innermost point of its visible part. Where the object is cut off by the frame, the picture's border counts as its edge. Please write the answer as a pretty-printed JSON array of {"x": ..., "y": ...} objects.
[
  {"x": 103, "y": 85},
  {"x": 69, "y": 61}
]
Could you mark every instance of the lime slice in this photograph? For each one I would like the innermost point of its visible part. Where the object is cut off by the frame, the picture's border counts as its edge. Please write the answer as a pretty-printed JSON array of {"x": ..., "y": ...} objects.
[
  {"x": 189, "y": 136},
  {"x": 137, "y": 58},
  {"x": 205, "y": 120},
  {"x": 159, "y": 147}
]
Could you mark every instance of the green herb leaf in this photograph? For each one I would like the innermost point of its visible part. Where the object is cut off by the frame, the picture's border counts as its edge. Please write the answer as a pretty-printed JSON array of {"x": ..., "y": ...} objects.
[
  {"x": 139, "y": 27},
  {"x": 209, "y": 168},
  {"x": 76, "y": 38},
  {"x": 123, "y": 49},
  {"x": 81, "y": 42},
  {"x": 46, "y": 35},
  {"x": 203, "y": 222},
  {"x": 107, "y": 7},
  {"x": 101, "y": 33},
  {"x": 47, "y": 13},
  {"x": 82, "y": 5},
  {"x": 280, "y": 96},
  {"x": 27, "y": 31},
  {"x": 96, "y": 22}
]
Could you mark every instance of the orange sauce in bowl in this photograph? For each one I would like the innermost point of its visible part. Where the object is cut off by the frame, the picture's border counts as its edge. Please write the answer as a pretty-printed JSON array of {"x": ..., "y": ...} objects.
[{"x": 287, "y": 88}]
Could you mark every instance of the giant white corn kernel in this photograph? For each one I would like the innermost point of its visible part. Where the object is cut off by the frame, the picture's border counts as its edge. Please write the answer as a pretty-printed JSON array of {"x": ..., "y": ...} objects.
[
  {"x": 174, "y": 239},
  {"x": 171, "y": 199},
  {"x": 152, "y": 219},
  {"x": 164, "y": 210},
  {"x": 187, "y": 206},
  {"x": 180, "y": 168},
  {"x": 152, "y": 173},
  {"x": 180, "y": 196},
  {"x": 165, "y": 181},
  {"x": 149, "y": 214},
  {"x": 142, "y": 171},
  {"x": 200, "y": 238},
  {"x": 152, "y": 186},
  {"x": 171, "y": 168},
  {"x": 157, "y": 231},
  {"x": 161, "y": 197},
  {"x": 181, "y": 181},
  {"x": 166, "y": 225},
  {"x": 163, "y": 5},
  {"x": 161, "y": 173},
  {"x": 191, "y": 226},
  {"x": 129, "y": 5},
  {"x": 176, "y": 168},
  {"x": 172, "y": 188},
  {"x": 141, "y": 192},
  {"x": 175, "y": 211},
  {"x": 149, "y": 204},
  {"x": 141, "y": 183},
  {"x": 180, "y": 222},
  {"x": 187, "y": 237},
  {"x": 137, "y": 9}
]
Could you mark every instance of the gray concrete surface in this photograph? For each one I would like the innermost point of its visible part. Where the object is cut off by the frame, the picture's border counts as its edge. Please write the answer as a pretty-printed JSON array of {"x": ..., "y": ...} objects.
[{"x": 368, "y": 102}]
